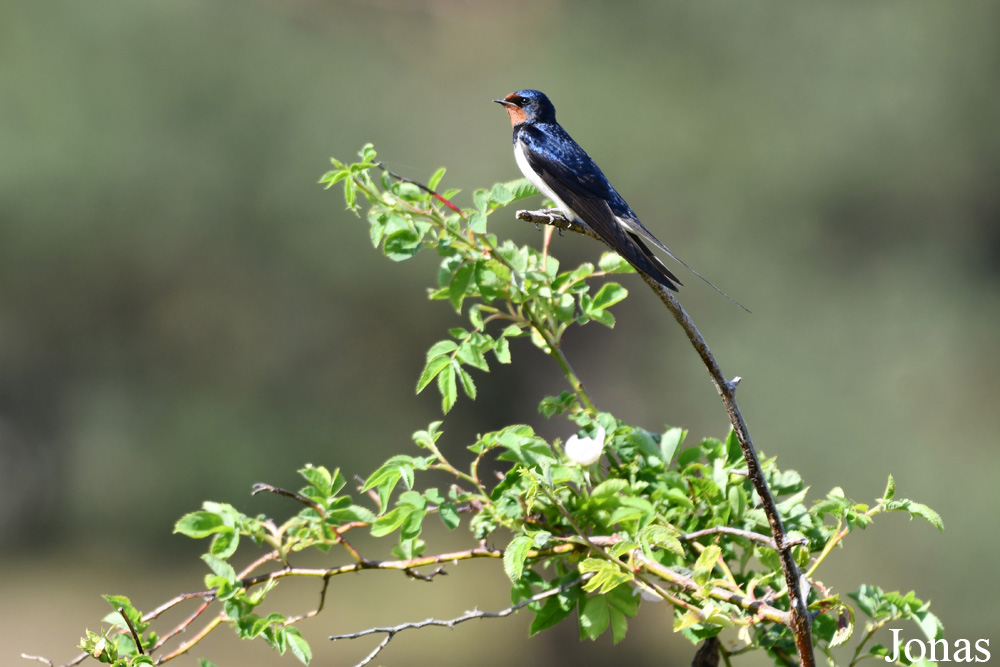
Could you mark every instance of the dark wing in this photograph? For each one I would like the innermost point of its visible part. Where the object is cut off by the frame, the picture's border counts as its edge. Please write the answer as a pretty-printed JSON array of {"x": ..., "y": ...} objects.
[{"x": 579, "y": 182}]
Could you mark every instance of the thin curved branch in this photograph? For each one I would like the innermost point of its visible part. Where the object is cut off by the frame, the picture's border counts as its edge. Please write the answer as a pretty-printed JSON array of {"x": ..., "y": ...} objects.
[
  {"x": 800, "y": 621},
  {"x": 392, "y": 631},
  {"x": 739, "y": 532}
]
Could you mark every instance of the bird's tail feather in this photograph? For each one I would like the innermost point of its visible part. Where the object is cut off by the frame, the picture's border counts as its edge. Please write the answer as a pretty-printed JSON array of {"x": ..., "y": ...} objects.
[{"x": 636, "y": 228}]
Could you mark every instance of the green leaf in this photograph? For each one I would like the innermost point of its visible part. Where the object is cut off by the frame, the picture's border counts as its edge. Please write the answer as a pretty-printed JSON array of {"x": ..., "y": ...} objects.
[
  {"x": 120, "y": 601},
  {"x": 319, "y": 477},
  {"x": 522, "y": 188},
  {"x": 607, "y": 575},
  {"x": 500, "y": 195},
  {"x": 468, "y": 385},
  {"x": 554, "y": 610},
  {"x": 476, "y": 318},
  {"x": 890, "y": 489},
  {"x": 501, "y": 349},
  {"x": 612, "y": 262},
  {"x": 391, "y": 520},
  {"x": 351, "y": 513},
  {"x": 565, "y": 307},
  {"x": 619, "y": 624},
  {"x": 669, "y": 443},
  {"x": 367, "y": 155},
  {"x": 481, "y": 199},
  {"x": 514, "y": 556},
  {"x": 401, "y": 245},
  {"x": 660, "y": 537},
  {"x": 412, "y": 524},
  {"x": 458, "y": 288},
  {"x": 477, "y": 222},
  {"x": 609, "y": 488},
  {"x": 200, "y": 524},
  {"x": 449, "y": 515},
  {"x": 916, "y": 509},
  {"x": 470, "y": 354},
  {"x": 425, "y": 438},
  {"x": 608, "y": 295},
  {"x": 705, "y": 564},
  {"x": 625, "y": 599},
  {"x": 431, "y": 370},
  {"x": 225, "y": 543},
  {"x": 298, "y": 645},
  {"x": 389, "y": 474},
  {"x": 435, "y": 179},
  {"x": 448, "y": 387},
  {"x": 440, "y": 348},
  {"x": 871, "y": 600},
  {"x": 220, "y": 567},
  {"x": 930, "y": 625},
  {"x": 333, "y": 177},
  {"x": 594, "y": 617},
  {"x": 492, "y": 277},
  {"x": 377, "y": 221}
]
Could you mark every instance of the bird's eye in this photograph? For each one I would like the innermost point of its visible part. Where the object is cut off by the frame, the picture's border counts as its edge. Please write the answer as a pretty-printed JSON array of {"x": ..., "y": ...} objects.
[{"x": 521, "y": 101}]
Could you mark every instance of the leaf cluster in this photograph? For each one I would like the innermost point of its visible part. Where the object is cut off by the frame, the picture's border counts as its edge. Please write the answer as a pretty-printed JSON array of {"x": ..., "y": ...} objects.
[{"x": 657, "y": 519}]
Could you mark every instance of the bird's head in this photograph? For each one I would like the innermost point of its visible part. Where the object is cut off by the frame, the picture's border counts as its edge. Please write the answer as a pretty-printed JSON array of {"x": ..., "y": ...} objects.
[{"x": 528, "y": 106}]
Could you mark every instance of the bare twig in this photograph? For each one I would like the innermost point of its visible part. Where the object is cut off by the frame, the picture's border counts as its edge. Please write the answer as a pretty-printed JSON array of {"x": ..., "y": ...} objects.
[
  {"x": 404, "y": 179},
  {"x": 429, "y": 576},
  {"x": 799, "y": 620},
  {"x": 739, "y": 532},
  {"x": 261, "y": 487},
  {"x": 759, "y": 608},
  {"x": 185, "y": 624},
  {"x": 189, "y": 644},
  {"x": 38, "y": 658},
  {"x": 131, "y": 629},
  {"x": 317, "y": 610},
  {"x": 392, "y": 631}
]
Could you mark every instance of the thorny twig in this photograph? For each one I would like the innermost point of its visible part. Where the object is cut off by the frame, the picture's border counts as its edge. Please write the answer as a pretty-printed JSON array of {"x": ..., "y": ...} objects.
[
  {"x": 392, "y": 631},
  {"x": 800, "y": 621}
]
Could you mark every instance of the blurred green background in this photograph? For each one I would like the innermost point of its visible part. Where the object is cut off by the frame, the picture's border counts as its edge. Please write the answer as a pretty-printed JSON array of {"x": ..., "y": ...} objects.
[{"x": 184, "y": 312}]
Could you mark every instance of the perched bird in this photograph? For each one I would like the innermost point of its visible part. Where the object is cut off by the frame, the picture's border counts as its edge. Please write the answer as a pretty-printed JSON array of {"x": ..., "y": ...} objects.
[{"x": 563, "y": 172}]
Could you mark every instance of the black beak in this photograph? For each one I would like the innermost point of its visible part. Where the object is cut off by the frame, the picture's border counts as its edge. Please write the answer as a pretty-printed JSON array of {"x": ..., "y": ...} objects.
[{"x": 504, "y": 102}]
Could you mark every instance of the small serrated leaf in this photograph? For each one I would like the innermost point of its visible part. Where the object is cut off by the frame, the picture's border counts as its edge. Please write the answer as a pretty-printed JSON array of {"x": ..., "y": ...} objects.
[
  {"x": 522, "y": 188},
  {"x": 514, "y": 556},
  {"x": 448, "y": 387},
  {"x": 609, "y": 487},
  {"x": 608, "y": 295},
  {"x": 433, "y": 367},
  {"x": 669, "y": 443},
  {"x": 297, "y": 644},
  {"x": 501, "y": 349},
  {"x": 435, "y": 179},
  {"x": 594, "y": 617},
  {"x": 458, "y": 288},
  {"x": 468, "y": 384},
  {"x": 200, "y": 524},
  {"x": 890, "y": 489},
  {"x": 705, "y": 564},
  {"x": 612, "y": 262}
]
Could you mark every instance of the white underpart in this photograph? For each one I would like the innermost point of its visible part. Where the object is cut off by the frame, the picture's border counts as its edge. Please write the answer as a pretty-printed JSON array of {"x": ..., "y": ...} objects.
[{"x": 536, "y": 180}]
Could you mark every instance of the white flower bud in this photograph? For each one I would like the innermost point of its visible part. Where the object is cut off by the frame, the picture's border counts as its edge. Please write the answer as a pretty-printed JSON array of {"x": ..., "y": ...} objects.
[{"x": 586, "y": 451}]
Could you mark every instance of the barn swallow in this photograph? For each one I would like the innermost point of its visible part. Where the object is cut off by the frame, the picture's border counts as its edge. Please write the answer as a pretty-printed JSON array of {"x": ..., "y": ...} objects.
[{"x": 563, "y": 172}]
